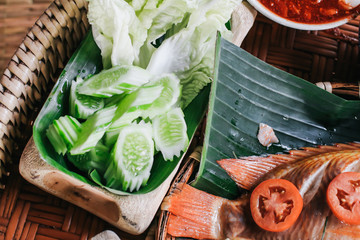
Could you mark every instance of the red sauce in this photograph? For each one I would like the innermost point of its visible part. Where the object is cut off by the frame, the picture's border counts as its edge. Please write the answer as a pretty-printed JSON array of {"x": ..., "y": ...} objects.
[{"x": 309, "y": 11}]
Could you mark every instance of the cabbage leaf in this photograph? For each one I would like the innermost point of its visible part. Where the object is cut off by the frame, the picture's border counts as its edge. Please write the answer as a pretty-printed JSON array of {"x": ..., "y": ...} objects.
[{"x": 163, "y": 36}]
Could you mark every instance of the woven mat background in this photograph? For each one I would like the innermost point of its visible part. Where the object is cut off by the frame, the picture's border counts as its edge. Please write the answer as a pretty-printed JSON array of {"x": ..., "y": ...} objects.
[
  {"x": 27, "y": 212},
  {"x": 316, "y": 56}
]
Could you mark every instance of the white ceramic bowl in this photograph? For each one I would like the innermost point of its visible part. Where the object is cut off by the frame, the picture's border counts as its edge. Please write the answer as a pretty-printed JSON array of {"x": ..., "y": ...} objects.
[{"x": 286, "y": 22}]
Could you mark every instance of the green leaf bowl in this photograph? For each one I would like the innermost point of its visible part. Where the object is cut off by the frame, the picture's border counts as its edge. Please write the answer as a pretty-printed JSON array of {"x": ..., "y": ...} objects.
[{"x": 87, "y": 60}]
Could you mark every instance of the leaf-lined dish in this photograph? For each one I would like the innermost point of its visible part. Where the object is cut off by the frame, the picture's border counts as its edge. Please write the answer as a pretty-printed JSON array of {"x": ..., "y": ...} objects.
[
  {"x": 246, "y": 92},
  {"x": 87, "y": 60}
]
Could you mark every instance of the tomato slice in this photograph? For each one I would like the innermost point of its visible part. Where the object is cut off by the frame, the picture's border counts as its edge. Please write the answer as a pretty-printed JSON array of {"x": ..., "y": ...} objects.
[
  {"x": 343, "y": 197},
  {"x": 275, "y": 204}
]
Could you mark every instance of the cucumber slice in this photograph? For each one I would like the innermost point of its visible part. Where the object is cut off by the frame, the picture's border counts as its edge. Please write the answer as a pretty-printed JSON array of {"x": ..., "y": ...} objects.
[
  {"x": 97, "y": 158},
  {"x": 114, "y": 100},
  {"x": 111, "y": 137},
  {"x": 146, "y": 96},
  {"x": 170, "y": 133},
  {"x": 63, "y": 133},
  {"x": 150, "y": 100},
  {"x": 168, "y": 98},
  {"x": 113, "y": 81},
  {"x": 141, "y": 100},
  {"x": 132, "y": 158},
  {"x": 82, "y": 106},
  {"x": 92, "y": 130}
]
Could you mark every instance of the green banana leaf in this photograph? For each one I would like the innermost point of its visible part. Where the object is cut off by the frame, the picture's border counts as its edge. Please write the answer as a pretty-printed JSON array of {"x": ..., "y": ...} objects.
[
  {"x": 87, "y": 60},
  {"x": 247, "y": 91}
]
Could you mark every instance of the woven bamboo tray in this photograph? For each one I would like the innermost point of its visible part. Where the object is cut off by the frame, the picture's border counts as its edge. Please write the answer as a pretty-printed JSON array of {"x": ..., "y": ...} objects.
[{"x": 328, "y": 57}]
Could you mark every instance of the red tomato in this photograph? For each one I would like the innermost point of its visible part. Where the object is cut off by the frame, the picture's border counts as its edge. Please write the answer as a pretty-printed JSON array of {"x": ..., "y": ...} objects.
[
  {"x": 275, "y": 204},
  {"x": 343, "y": 197}
]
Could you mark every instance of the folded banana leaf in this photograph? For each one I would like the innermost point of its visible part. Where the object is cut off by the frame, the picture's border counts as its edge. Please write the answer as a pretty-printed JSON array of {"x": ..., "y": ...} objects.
[
  {"x": 87, "y": 60},
  {"x": 247, "y": 91}
]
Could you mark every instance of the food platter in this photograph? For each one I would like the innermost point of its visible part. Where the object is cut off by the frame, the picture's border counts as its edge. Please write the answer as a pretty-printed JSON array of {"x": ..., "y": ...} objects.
[
  {"x": 50, "y": 176},
  {"x": 232, "y": 121},
  {"x": 130, "y": 211}
]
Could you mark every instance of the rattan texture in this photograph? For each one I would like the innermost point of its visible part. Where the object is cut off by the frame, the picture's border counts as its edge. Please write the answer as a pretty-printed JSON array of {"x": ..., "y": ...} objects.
[
  {"x": 316, "y": 56},
  {"x": 27, "y": 212},
  {"x": 32, "y": 71}
]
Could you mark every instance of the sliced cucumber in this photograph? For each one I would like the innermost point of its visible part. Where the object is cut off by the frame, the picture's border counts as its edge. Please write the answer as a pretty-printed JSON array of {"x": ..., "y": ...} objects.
[
  {"x": 141, "y": 99},
  {"x": 82, "y": 106},
  {"x": 92, "y": 130},
  {"x": 114, "y": 100},
  {"x": 63, "y": 133},
  {"x": 168, "y": 98},
  {"x": 146, "y": 96},
  {"x": 150, "y": 100},
  {"x": 132, "y": 158},
  {"x": 111, "y": 137},
  {"x": 170, "y": 133},
  {"x": 97, "y": 158},
  {"x": 113, "y": 81}
]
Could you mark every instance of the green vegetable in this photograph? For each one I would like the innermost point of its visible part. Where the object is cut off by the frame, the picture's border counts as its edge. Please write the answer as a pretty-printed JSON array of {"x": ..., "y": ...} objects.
[
  {"x": 170, "y": 133},
  {"x": 190, "y": 53},
  {"x": 114, "y": 81},
  {"x": 87, "y": 60},
  {"x": 132, "y": 158},
  {"x": 97, "y": 158},
  {"x": 117, "y": 31},
  {"x": 82, "y": 106},
  {"x": 63, "y": 133},
  {"x": 92, "y": 130},
  {"x": 129, "y": 32}
]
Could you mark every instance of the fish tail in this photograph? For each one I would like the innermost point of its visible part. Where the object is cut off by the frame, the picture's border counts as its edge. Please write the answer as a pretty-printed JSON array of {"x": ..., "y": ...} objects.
[{"x": 194, "y": 213}]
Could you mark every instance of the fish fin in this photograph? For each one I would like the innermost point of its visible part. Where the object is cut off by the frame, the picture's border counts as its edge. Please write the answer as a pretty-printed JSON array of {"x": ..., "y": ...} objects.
[
  {"x": 311, "y": 151},
  {"x": 195, "y": 207},
  {"x": 247, "y": 171},
  {"x": 355, "y": 144}
]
